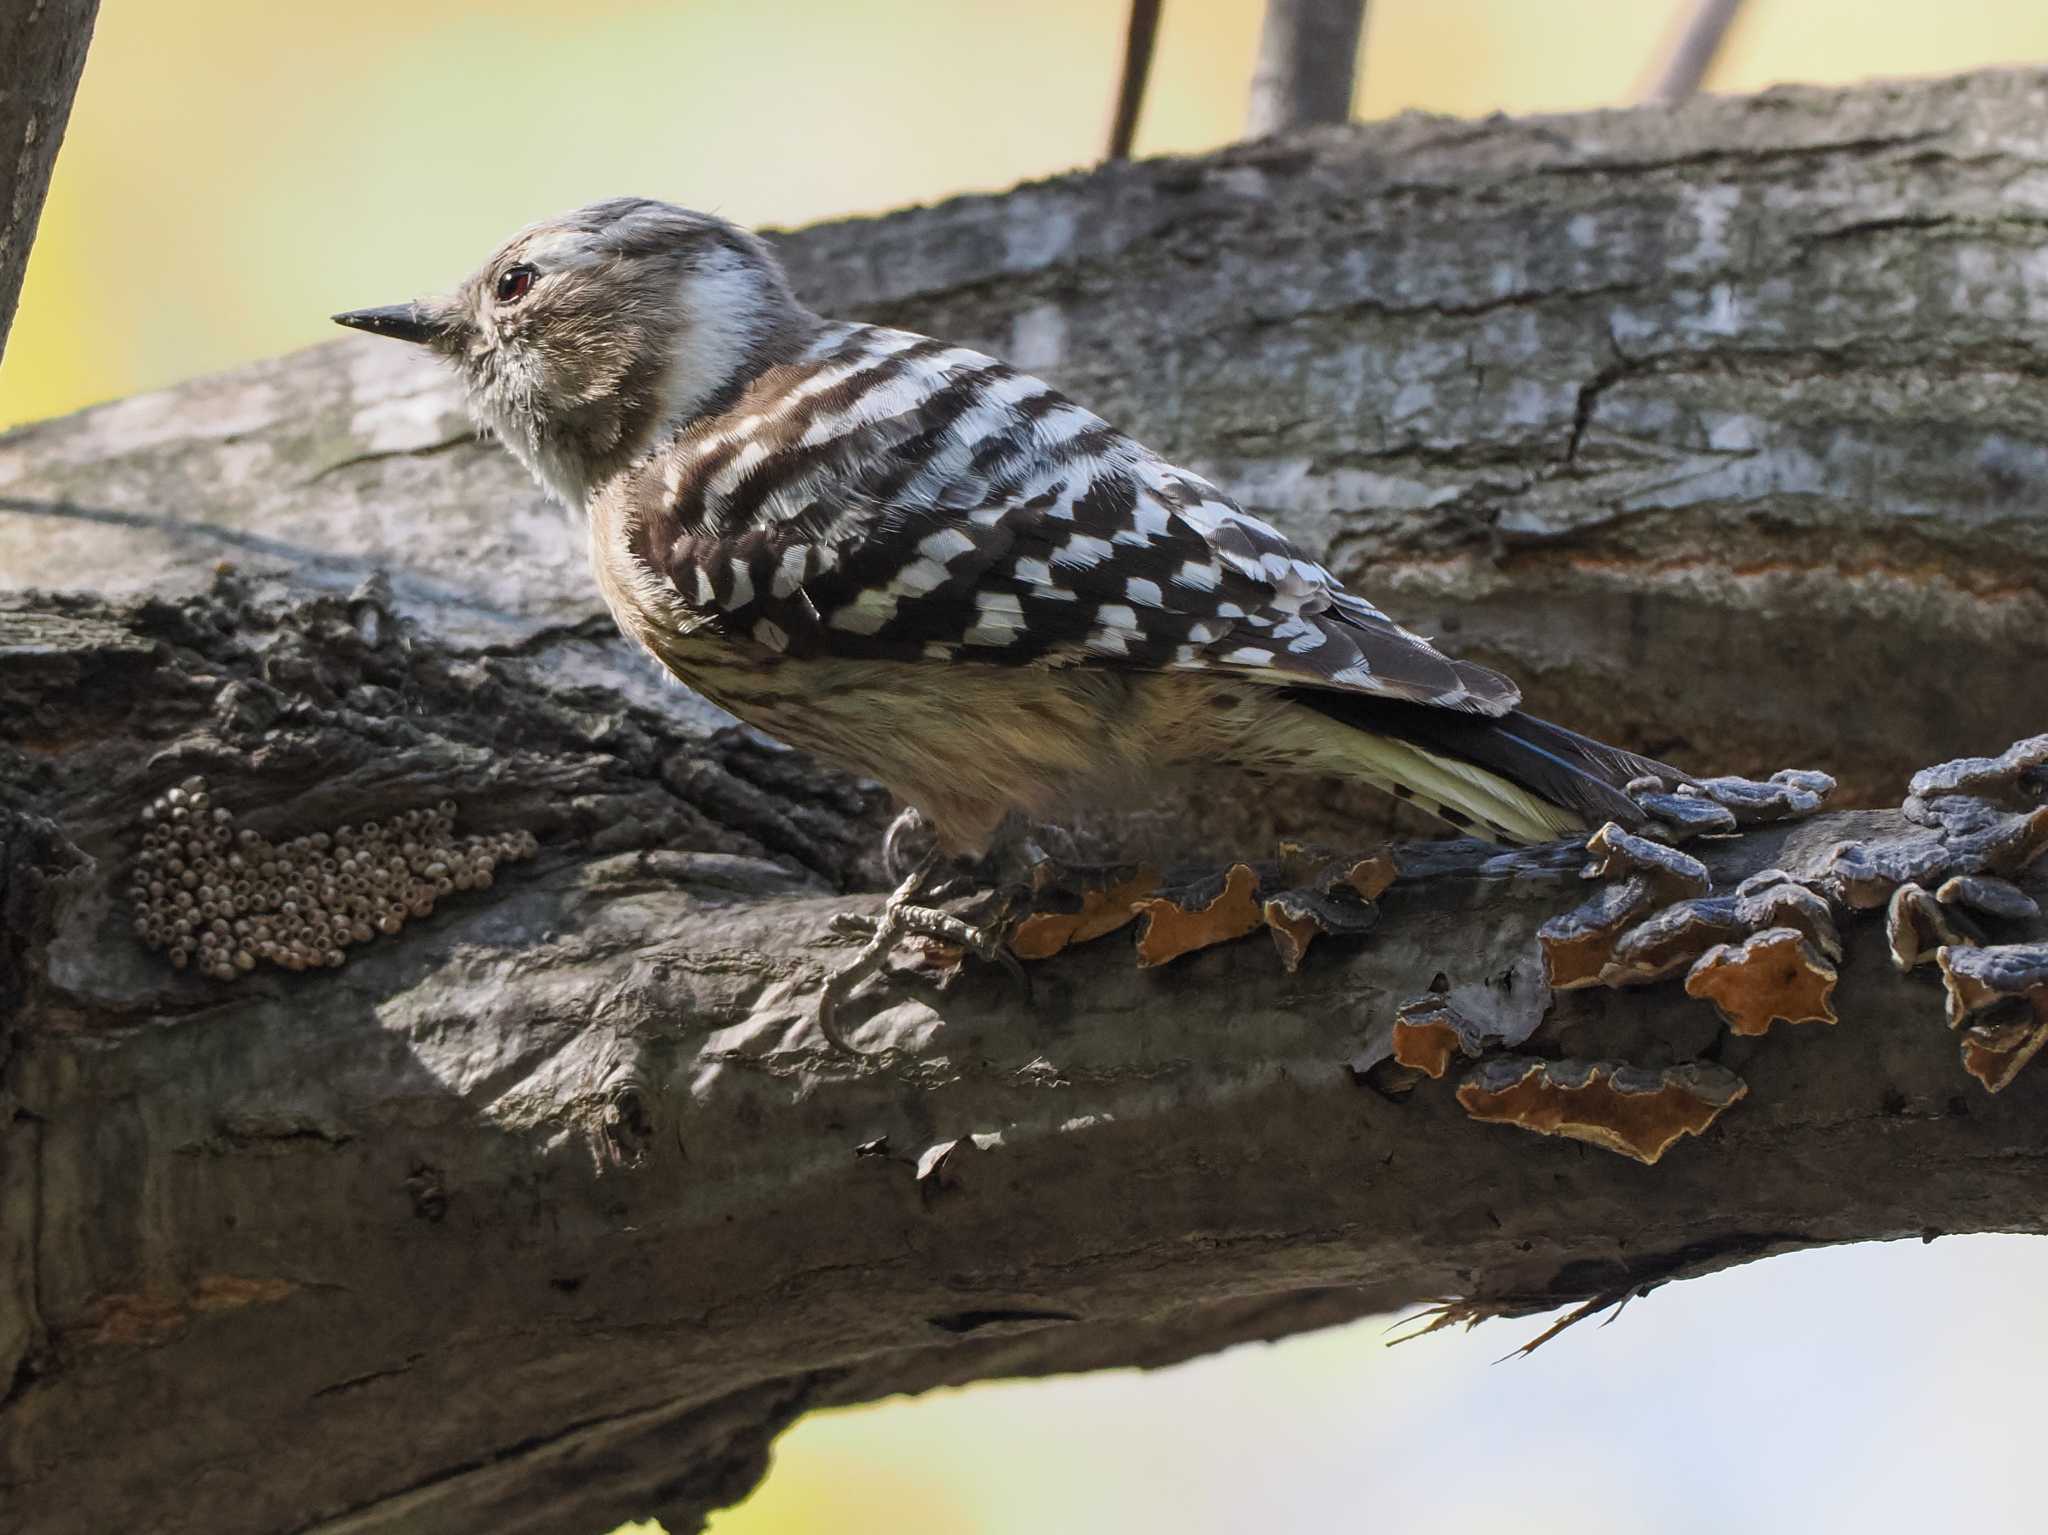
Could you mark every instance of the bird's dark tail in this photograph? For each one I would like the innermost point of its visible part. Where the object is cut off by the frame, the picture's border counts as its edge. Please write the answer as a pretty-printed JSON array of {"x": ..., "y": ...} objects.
[{"x": 1484, "y": 771}]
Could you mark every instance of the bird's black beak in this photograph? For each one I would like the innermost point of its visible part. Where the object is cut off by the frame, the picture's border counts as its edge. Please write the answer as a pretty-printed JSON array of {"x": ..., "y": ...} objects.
[{"x": 402, "y": 322}]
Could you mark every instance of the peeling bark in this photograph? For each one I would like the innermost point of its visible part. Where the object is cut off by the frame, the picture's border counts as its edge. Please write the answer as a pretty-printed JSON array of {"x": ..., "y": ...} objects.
[{"x": 552, "y": 1209}]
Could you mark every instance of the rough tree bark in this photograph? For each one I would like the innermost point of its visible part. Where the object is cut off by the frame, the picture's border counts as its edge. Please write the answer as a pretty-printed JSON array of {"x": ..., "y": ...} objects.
[
  {"x": 42, "y": 52},
  {"x": 550, "y": 1210}
]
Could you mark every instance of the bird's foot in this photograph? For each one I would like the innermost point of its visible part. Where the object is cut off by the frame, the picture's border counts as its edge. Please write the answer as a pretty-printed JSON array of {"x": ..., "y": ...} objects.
[{"x": 909, "y": 913}]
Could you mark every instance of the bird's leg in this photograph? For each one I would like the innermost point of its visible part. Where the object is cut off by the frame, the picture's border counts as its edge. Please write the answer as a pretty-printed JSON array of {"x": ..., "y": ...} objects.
[{"x": 909, "y": 913}]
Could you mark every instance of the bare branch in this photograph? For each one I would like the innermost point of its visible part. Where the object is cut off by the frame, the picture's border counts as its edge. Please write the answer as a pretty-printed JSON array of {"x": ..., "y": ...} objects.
[
  {"x": 1137, "y": 68},
  {"x": 42, "y": 51},
  {"x": 1307, "y": 65},
  {"x": 1693, "y": 53}
]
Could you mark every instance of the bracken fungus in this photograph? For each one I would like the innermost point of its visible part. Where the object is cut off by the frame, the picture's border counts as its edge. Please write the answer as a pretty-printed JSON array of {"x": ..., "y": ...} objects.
[{"x": 222, "y": 900}]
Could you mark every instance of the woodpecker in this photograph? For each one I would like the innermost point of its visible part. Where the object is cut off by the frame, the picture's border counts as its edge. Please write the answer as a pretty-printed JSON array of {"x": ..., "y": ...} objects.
[{"x": 922, "y": 564}]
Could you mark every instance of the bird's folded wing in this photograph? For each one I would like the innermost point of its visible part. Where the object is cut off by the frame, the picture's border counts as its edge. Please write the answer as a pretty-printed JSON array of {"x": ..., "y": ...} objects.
[{"x": 897, "y": 499}]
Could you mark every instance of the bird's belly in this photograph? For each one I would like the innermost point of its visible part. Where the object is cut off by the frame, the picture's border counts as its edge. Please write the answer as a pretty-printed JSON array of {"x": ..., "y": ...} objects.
[{"x": 964, "y": 743}]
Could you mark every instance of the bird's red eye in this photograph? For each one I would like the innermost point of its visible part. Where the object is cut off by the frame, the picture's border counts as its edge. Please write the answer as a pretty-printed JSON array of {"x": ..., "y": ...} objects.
[{"x": 514, "y": 283}]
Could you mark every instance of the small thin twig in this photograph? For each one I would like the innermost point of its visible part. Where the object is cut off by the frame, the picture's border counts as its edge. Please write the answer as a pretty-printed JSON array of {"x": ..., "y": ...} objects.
[
  {"x": 1698, "y": 45},
  {"x": 1130, "y": 91}
]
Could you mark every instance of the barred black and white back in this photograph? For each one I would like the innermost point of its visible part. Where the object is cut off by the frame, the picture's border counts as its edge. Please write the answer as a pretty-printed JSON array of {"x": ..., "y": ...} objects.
[
  {"x": 919, "y": 562},
  {"x": 885, "y": 497}
]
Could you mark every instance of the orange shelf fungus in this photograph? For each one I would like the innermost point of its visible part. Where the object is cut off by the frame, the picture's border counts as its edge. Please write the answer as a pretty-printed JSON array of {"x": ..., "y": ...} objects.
[
  {"x": 1633, "y": 1110},
  {"x": 1176, "y": 925},
  {"x": 1100, "y": 910},
  {"x": 1429, "y": 1030},
  {"x": 1770, "y": 975}
]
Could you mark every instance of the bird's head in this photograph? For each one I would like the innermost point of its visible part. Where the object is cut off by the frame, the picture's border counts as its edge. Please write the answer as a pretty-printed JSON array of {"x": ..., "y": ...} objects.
[{"x": 586, "y": 338}]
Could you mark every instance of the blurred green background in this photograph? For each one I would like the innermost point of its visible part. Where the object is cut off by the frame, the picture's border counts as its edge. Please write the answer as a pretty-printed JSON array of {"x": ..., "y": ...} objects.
[{"x": 236, "y": 170}]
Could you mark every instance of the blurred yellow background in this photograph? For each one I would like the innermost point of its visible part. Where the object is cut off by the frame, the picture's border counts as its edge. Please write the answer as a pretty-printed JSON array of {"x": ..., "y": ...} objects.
[{"x": 236, "y": 170}]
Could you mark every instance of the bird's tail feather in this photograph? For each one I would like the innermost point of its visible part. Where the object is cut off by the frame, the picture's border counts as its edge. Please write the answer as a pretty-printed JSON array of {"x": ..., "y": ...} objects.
[{"x": 1516, "y": 777}]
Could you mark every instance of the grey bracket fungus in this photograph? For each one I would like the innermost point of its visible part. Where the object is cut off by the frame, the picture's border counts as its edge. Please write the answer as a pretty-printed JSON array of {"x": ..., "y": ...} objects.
[
  {"x": 1788, "y": 793},
  {"x": 1665, "y": 943},
  {"x": 1916, "y": 925},
  {"x": 1681, "y": 817},
  {"x": 1990, "y": 896},
  {"x": 2015, "y": 778},
  {"x": 1579, "y": 945},
  {"x": 1998, "y": 998},
  {"x": 1673, "y": 874}
]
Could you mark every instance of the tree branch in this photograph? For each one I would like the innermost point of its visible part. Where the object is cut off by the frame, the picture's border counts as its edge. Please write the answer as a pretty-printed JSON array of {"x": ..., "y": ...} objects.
[
  {"x": 550, "y": 1208},
  {"x": 1693, "y": 52},
  {"x": 42, "y": 52},
  {"x": 1307, "y": 66},
  {"x": 1139, "y": 42}
]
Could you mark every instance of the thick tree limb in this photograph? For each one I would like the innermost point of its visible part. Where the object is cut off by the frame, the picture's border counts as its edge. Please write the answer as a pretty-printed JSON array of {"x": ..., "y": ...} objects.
[
  {"x": 42, "y": 52},
  {"x": 555, "y": 1207},
  {"x": 548, "y": 1211}
]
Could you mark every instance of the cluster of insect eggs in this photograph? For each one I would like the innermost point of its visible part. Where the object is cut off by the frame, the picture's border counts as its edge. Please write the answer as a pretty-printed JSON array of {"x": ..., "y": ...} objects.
[{"x": 224, "y": 900}]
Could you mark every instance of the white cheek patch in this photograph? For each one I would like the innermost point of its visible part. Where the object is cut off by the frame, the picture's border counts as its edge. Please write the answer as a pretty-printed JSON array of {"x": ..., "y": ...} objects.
[{"x": 721, "y": 300}]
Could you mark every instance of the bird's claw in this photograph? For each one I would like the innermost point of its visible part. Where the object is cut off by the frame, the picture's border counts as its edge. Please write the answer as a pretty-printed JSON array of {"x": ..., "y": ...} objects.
[
  {"x": 908, "y": 914},
  {"x": 896, "y": 859}
]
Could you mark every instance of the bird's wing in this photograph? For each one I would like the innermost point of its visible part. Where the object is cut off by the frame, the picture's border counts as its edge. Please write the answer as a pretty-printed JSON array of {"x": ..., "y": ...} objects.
[{"x": 891, "y": 497}]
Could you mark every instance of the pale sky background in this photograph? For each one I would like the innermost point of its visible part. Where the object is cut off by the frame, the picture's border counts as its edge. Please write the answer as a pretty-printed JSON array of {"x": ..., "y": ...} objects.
[{"x": 237, "y": 170}]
